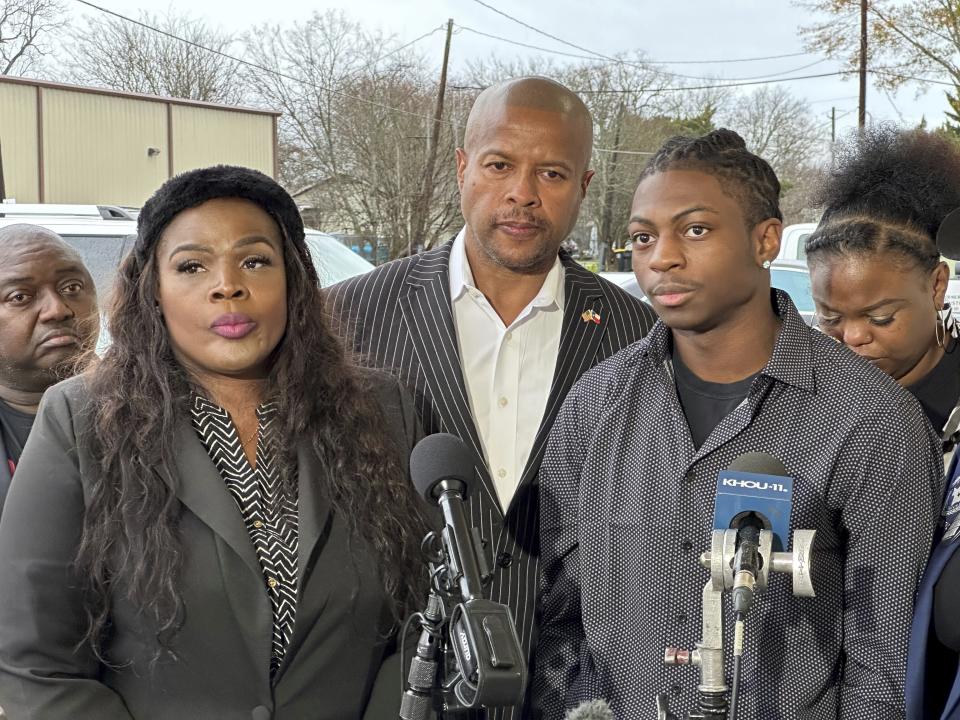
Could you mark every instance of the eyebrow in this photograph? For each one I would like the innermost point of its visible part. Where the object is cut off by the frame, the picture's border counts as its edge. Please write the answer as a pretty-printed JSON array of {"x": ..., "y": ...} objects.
[
  {"x": 682, "y": 213},
  {"x": 549, "y": 163},
  {"x": 243, "y": 242},
  {"x": 875, "y": 306},
  {"x": 28, "y": 279}
]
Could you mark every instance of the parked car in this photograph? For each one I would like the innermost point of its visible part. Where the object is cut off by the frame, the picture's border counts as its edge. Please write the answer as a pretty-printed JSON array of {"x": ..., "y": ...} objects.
[
  {"x": 791, "y": 276},
  {"x": 793, "y": 241},
  {"x": 104, "y": 234}
]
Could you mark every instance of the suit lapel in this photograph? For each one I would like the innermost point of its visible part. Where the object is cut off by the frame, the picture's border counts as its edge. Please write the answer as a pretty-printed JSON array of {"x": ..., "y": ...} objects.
[
  {"x": 429, "y": 317},
  {"x": 315, "y": 511},
  {"x": 203, "y": 491},
  {"x": 579, "y": 344}
]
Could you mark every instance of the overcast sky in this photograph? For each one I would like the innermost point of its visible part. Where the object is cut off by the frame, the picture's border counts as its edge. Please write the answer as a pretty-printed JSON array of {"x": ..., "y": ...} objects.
[{"x": 665, "y": 30}]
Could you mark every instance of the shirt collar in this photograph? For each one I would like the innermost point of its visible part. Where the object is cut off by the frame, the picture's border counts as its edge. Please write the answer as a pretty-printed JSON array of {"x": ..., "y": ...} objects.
[
  {"x": 200, "y": 404},
  {"x": 792, "y": 358},
  {"x": 461, "y": 277}
]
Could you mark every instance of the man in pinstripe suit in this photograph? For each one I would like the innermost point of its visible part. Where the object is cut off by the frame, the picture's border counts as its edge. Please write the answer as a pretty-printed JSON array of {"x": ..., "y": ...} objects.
[{"x": 490, "y": 330}]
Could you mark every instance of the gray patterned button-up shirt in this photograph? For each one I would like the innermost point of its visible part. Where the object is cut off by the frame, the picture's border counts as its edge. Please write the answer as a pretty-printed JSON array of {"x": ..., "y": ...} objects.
[
  {"x": 627, "y": 507},
  {"x": 269, "y": 513}
]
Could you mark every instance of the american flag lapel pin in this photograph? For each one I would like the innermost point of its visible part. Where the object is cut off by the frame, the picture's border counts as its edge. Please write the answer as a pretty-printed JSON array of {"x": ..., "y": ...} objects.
[{"x": 590, "y": 316}]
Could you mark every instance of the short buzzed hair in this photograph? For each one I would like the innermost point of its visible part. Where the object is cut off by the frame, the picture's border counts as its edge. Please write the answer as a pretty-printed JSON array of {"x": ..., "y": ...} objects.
[
  {"x": 537, "y": 93},
  {"x": 18, "y": 235}
]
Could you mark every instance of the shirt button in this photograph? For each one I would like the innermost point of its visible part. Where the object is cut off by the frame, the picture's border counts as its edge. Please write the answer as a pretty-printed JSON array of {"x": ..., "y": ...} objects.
[
  {"x": 501, "y": 473},
  {"x": 689, "y": 477},
  {"x": 508, "y": 337},
  {"x": 257, "y": 524},
  {"x": 681, "y": 618},
  {"x": 502, "y": 402},
  {"x": 504, "y": 559},
  {"x": 676, "y": 690},
  {"x": 272, "y": 582},
  {"x": 686, "y": 545}
]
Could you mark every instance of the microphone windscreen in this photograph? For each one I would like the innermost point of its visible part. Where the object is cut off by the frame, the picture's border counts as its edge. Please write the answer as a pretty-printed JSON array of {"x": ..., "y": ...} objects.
[
  {"x": 591, "y": 710},
  {"x": 440, "y": 457},
  {"x": 948, "y": 236},
  {"x": 760, "y": 463}
]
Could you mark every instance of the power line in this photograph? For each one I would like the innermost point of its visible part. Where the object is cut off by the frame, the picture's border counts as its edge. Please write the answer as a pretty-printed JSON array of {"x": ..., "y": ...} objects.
[
  {"x": 617, "y": 91},
  {"x": 594, "y": 53},
  {"x": 644, "y": 65},
  {"x": 257, "y": 66}
]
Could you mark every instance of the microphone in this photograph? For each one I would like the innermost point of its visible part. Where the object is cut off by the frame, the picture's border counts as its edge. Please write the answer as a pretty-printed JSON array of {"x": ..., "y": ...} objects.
[
  {"x": 591, "y": 710},
  {"x": 442, "y": 469},
  {"x": 753, "y": 494},
  {"x": 483, "y": 635}
]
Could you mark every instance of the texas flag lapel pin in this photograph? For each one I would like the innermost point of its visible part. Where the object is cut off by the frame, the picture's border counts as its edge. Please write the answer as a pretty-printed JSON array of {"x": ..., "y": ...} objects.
[{"x": 590, "y": 316}]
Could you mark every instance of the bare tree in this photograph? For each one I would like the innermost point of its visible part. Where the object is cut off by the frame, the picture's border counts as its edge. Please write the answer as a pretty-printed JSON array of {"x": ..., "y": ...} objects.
[
  {"x": 122, "y": 55},
  {"x": 356, "y": 117},
  {"x": 778, "y": 127},
  {"x": 23, "y": 24},
  {"x": 907, "y": 39}
]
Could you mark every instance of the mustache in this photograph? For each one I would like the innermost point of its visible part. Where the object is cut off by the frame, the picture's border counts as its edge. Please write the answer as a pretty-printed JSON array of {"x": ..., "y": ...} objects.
[{"x": 519, "y": 216}]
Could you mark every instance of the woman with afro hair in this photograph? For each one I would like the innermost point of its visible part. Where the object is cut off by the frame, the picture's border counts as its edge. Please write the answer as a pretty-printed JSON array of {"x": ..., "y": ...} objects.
[
  {"x": 879, "y": 284},
  {"x": 215, "y": 521}
]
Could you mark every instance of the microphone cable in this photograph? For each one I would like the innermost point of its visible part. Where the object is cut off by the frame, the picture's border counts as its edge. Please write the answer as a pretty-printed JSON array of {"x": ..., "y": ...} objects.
[{"x": 737, "y": 659}]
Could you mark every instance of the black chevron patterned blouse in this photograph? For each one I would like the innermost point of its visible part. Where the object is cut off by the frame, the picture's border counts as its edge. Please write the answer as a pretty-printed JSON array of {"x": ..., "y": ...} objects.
[{"x": 269, "y": 513}]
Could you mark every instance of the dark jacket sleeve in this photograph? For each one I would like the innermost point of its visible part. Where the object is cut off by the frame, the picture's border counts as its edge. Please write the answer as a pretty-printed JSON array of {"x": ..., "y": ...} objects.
[{"x": 42, "y": 674}]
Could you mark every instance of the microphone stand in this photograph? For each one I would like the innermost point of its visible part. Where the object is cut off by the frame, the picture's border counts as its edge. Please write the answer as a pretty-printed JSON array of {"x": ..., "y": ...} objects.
[{"x": 712, "y": 701}]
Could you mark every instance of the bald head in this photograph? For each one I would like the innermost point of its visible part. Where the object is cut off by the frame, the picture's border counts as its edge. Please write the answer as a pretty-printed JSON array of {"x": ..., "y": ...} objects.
[
  {"x": 14, "y": 239},
  {"x": 554, "y": 102}
]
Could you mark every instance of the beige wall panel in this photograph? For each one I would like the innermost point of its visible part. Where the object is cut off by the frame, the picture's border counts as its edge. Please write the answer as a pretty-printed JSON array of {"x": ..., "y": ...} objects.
[
  {"x": 19, "y": 142},
  {"x": 203, "y": 136},
  {"x": 95, "y": 148}
]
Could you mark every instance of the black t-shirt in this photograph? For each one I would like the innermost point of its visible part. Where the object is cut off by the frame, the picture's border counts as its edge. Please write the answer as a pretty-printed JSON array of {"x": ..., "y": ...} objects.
[
  {"x": 706, "y": 403},
  {"x": 939, "y": 391},
  {"x": 15, "y": 426}
]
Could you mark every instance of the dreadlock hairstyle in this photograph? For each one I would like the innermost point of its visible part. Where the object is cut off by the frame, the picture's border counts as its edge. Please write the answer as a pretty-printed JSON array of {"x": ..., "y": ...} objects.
[
  {"x": 890, "y": 191},
  {"x": 130, "y": 543},
  {"x": 746, "y": 177}
]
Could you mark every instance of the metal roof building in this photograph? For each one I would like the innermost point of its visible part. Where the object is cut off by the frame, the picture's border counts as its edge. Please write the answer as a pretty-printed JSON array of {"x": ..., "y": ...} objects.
[{"x": 69, "y": 144}]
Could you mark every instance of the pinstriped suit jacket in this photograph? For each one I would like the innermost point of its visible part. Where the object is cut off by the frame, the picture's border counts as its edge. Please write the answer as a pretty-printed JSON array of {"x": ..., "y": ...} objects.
[{"x": 399, "y": 318}]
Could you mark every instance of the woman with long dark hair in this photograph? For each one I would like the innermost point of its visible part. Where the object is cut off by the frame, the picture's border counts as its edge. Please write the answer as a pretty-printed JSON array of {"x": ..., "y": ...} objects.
[
  {"x": 879, "y": 285},
  {"x": 216, "y": 520}
]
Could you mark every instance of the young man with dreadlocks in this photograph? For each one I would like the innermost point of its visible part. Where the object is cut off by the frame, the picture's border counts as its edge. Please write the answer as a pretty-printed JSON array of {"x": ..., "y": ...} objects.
[{"x": 629, "y": 479}]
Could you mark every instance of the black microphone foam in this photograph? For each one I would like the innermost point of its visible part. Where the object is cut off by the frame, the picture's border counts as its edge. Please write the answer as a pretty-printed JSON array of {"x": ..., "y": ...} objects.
[
  {"x": 948, "y": 236},
  {"x": 761, "y": 463},
  {"x": 439, "y": 457}
]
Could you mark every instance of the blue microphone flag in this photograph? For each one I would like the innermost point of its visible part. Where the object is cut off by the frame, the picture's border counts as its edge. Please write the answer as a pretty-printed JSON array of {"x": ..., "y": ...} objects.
[{"x": 769, "y": 496}]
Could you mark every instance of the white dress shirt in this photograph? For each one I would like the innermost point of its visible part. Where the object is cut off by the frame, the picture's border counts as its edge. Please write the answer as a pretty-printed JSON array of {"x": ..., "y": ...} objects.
[{"x": 508, "y": 371}]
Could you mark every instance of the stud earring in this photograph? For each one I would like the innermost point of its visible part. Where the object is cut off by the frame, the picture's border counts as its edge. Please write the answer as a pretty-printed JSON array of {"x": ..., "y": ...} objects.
[{"x": 766, "y": 265}]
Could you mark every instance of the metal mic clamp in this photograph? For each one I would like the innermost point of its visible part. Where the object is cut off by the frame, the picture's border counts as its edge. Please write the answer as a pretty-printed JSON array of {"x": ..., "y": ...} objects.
[{"x": 797, "y": 562}]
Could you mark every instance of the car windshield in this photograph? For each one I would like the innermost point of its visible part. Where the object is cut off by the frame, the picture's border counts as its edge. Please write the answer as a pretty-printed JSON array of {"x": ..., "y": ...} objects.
[
  {"x": 334, "y": 260},
  {"x": 796, "y": 283}
]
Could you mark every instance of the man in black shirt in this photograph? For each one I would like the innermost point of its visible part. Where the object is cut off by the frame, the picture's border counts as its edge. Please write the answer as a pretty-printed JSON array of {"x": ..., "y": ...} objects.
[
  {"x": 48, "y": 323},
  {"x": 628, "y": 482}
]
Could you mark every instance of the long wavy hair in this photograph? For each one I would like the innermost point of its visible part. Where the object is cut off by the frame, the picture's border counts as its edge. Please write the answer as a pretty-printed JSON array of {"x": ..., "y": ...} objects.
[{"x": 130, "y": 545}]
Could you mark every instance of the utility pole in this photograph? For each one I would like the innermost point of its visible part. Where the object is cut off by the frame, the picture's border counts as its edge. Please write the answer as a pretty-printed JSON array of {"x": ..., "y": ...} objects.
[
  {"x": 606, "y": 217},
  {"x": 418, "y": 226},
  {"x": 862, "y": 111}
]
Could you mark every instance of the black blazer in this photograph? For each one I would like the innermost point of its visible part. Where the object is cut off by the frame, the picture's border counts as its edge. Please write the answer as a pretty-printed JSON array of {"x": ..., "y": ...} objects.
[
  {"x": 399, "y": 318},
  {"x": 221, "y": 668}
]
